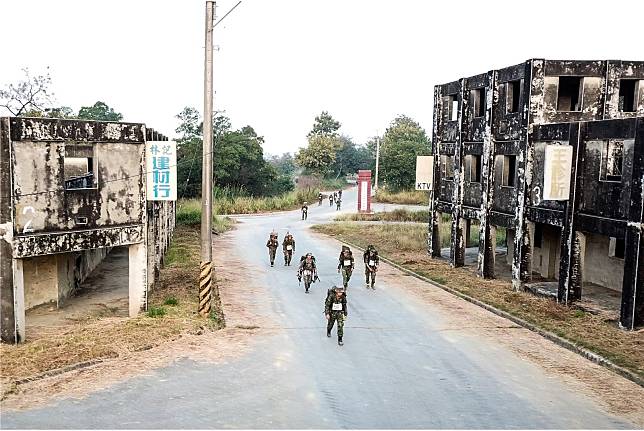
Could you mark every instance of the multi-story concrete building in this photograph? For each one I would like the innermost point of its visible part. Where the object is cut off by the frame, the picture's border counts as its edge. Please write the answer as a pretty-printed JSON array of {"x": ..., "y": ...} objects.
[
  {"x": 490, "y": 137},
  {"x": 70, "y": 191}
]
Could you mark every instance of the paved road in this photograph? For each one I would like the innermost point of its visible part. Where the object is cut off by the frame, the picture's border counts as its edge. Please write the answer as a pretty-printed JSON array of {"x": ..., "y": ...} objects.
[{"x": 397, "y": 369}]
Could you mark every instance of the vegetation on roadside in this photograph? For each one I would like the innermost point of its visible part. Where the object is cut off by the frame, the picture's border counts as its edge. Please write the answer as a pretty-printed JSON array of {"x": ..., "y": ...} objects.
[
  {"x": 422, "y": 216},
  {"x": 397, "y": 215},
  {"x": 402, "y": 197},
  {"x": 406, "y": 245},
  {"x": 189, "y": 214},
  {"x": 172, "y": 306}
]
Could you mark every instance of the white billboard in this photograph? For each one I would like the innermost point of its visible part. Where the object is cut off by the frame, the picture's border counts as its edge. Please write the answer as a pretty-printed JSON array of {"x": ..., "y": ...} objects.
[
  {"x": 556, "y": 172},
  {"x": 424, "y": 172},
  {"x": 161, "y": 168}
]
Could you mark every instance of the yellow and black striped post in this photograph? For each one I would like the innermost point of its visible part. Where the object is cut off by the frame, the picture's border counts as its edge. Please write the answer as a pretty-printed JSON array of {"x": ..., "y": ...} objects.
[{"x": 205, "y": 288}]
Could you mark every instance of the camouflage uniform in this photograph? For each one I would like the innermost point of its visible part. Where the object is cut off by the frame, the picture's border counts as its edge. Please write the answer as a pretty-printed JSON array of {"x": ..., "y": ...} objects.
[
  {"x": 335, "y": 309},
  {"x": 272, "y": 245},
  {"x": 338, "y": 202},
  {"x": 346, "y": 265},
  {"x": 305, "y": 211},
  {"x": 309, "y": 266},
  {"x": 288, "y": 254},
  {"x": 370, "y": 265},
  {"x": 330, "y": 200}
]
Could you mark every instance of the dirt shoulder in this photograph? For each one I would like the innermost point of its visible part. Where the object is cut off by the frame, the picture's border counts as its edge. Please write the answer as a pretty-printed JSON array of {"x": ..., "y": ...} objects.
[
  {"x": 401, "y": 244},
  {"x": 101, "y": 351}
]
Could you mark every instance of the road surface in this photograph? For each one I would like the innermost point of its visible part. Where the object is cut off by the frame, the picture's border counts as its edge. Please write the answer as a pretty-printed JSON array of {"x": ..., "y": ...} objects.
[{"x": 404, "y": 363}]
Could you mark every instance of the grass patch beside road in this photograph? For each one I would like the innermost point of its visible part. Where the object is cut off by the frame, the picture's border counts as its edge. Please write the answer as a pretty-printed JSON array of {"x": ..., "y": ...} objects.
[
  {"x": 422, "y": 216},
  {"x": 406, "y": 245},
  {"x": 406, "y": 197},
  {"x": 401, "y": 215},
  {"x": 172, "y": 311}
]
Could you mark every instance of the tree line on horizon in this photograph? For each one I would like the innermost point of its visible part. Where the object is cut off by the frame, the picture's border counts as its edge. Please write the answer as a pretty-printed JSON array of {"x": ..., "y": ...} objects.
[{"x": 240, "y": 165}]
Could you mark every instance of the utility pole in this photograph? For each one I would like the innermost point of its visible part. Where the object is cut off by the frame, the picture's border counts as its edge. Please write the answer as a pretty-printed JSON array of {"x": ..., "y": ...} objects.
[
  {"x": 205, "y": 274},
  {"x": 375, "y": 187}
]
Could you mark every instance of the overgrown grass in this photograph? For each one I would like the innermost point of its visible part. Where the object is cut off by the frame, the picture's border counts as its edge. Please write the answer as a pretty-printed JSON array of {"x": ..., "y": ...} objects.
[
  {"x": 406, "y": 245},
  {"x": 97, "y": 338},
  {"x": 189, "y": 214},
  {"x": 156, "y": 312},
  {"x": 405, "y": 197},
  {"x": 190, "y": 209},
  {"x": 171, "y": 300},
  {"x": 422, "y": 216},
  {"x": 398, "y": 215}
]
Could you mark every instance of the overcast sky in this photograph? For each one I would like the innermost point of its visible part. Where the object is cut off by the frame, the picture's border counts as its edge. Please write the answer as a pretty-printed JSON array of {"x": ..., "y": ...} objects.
[{"x": 280, "y": 63}]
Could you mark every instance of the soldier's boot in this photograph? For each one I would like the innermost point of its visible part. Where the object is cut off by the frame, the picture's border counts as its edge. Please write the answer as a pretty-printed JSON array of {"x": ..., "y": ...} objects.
[{"x": 340, "y": 342}]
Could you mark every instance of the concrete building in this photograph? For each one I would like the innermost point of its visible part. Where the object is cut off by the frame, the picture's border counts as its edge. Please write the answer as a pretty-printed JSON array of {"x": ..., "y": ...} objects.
[
  {"x": 69, "y": 192},
  {"x": 490, "y": 136}
]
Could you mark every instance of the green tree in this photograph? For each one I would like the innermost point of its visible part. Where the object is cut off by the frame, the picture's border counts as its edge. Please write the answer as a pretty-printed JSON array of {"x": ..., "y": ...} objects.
[
  {"x": 349, "y": 158},
  {"x": 318, "y": 157},
  {"x": 401, "y": 143},
  {"x": 238, "y": 158},
  {"x": 284, "y": 164},
  {"x": 99, "y": 112},
  {"x": 325, "y": 125},
  {"x": 64, "y": 112}
]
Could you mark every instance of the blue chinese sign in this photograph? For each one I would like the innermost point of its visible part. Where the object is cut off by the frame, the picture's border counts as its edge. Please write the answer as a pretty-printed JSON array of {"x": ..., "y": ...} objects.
[{"x": 161, "y": 167}]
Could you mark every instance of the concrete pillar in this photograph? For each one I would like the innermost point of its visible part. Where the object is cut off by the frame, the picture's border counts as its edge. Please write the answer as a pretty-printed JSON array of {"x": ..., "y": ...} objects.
[
  {"x": 434, "y": 234},
  {"x": 8, "y": 329},
  {"x": 19, "y": 300},
  {"x": 632, "y": 307},
  {"x": 457, "y": 243},
  {"x": 137, "y": 278},
  {"x": 573, "y": 243},
  {"x": 487, "y": 231},
  {"x": 433, "y": 228},
  {"x": 457, "y": 250}
]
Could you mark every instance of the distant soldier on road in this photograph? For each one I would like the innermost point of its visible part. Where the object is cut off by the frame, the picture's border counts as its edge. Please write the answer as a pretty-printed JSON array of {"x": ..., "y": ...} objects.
[
  {"x": 335, "y": 310},
  {"x": 371, "y": 261},
  {"x": 338, "y": 203},
  {"x": 288, "y": 247},
  {"x": 320, "y": 197},
  {"x": 346, "y": 265},
  {"x": 335, "y": 196},
  {"x": 330, "y": 200},
  {"x": 340, "y": 194},
  {"x": 305, "y": 210},
  {"x": 272, "y": 245}
]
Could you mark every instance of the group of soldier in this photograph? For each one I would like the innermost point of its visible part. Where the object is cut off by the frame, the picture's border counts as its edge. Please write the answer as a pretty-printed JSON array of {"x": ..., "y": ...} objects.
[
  {"x": 335, "y": 197},
  {"x": 335, "y": 304}
]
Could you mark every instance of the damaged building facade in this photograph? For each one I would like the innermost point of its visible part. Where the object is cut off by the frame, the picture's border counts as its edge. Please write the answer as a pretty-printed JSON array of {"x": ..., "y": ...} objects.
[
  {"x": 551, "y": 152},
  {"x": 70, "y": 191}
]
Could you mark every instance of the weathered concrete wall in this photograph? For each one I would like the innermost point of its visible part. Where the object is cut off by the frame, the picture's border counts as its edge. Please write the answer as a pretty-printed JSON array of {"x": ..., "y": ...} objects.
[
  {"x": 599, "y": 267},
  {"x": 616, "y": 71},
  {"x": 40, "y": 281},
  {"x": 69, "y": 218}
]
